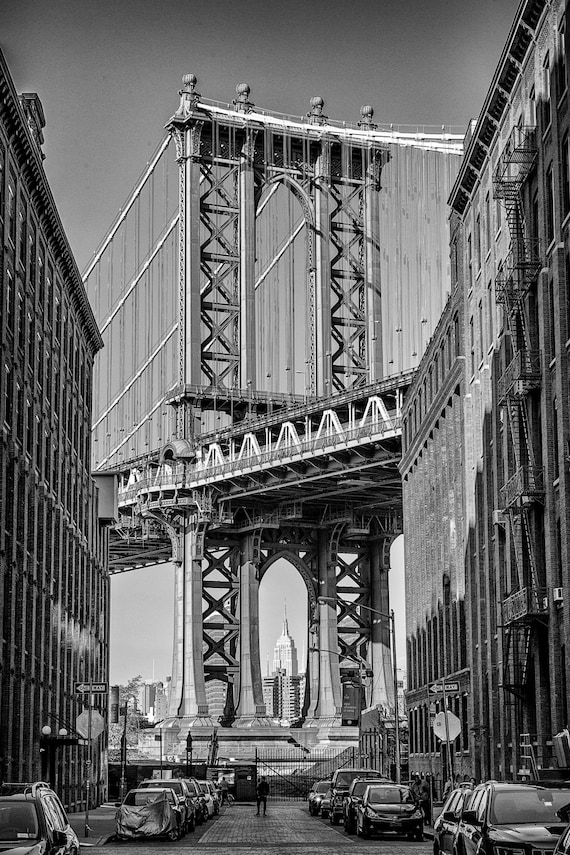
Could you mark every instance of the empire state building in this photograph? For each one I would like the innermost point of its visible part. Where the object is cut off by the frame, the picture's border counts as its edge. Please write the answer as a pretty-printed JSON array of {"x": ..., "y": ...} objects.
[{"x": 285, "y": 652}]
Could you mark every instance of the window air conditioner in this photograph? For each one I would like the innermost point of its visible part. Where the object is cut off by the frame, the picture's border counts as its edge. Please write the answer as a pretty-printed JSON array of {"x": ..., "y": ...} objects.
[{"x": 557, "y": 595}]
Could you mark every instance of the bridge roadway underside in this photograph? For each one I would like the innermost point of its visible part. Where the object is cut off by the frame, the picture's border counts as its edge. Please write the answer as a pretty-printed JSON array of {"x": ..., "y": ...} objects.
[{"x": 332, "y": 514}]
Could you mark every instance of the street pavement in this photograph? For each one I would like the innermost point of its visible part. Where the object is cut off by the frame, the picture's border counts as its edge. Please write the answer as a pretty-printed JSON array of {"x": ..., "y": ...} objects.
[{"x": 287, "y": 829}]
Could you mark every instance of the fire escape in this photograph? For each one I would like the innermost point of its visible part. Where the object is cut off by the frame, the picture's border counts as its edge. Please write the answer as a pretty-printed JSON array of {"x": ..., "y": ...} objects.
[{"x": 523, "y": 492}]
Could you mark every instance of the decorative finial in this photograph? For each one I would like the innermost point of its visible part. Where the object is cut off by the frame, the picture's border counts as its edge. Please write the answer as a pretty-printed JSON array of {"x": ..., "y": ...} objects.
[
  {"x": 242, "y": 102},
  {"x": 366, "y": 114},
  {"x": 188, "y": 96},
  {"x": 316, "y": 116}
]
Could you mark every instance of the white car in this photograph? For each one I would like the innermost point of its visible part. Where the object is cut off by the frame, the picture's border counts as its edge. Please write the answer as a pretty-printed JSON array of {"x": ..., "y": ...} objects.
[{"x": 210, "y": 797}]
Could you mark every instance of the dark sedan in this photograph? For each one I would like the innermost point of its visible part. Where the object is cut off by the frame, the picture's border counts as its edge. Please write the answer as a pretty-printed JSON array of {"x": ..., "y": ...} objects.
[
  {"x": 511, "y": 819},
  {"x": 316, "y": 796},
  {"x": 389, "y": 808},
  {"x": 351, "y": 801},
  {"x": 446, "y": 825}
]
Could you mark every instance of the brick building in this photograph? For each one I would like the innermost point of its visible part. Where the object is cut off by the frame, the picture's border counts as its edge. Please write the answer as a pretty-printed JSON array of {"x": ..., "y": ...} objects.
[
  {"x": 54, "y": 587},
  {"x": 497, "y": 554}
]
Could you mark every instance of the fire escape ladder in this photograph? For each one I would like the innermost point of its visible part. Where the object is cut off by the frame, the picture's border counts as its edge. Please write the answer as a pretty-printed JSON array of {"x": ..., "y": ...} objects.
[
  {"x": 521, "y": 268},
  {"x": 517, "y": 535},
  {"x": 528, "y": 755}
]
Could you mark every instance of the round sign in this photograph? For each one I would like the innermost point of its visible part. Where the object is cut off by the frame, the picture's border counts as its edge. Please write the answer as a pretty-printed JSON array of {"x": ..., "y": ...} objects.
[{"x": 453, "y": 728}]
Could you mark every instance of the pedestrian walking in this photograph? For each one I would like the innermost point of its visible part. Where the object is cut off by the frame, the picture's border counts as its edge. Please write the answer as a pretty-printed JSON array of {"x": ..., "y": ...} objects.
[
  {"x": 224, "y": 789},
  {"x": 262, "y": 793},
  {"x": 425, "y": 798}
]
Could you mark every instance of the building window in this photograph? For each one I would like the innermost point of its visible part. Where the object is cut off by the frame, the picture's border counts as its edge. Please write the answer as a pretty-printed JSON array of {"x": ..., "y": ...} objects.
[
  {"x": 472, "y": 344},
  {"x": 549, "y": 214},
  {"x": 561, "y": 83},
  {"x": 546, "y": 113},
  {"x": 480, "y": 322},
  {"x": 532, "y": 108},
  {"x": 566, "y": 174},
  {"x": 478, "y": 243},
  {"x": 12, "y": 207},
  {"x": 23, "y": 227},
  {"x": 555, "y": 439},
  {"x": 488, "y": 231},
  {"x": 490, "y": 307},
  {"x": 469, "y": 262}
]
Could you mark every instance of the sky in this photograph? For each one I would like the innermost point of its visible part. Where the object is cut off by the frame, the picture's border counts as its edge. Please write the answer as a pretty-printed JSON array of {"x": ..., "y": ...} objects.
[{"x": 108, "y": 74}]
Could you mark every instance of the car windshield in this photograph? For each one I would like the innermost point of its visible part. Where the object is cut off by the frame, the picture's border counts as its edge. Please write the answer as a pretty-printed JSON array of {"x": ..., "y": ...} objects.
[
  {"x": 321, "y": 787},
  {"x": 345, "y": 779},
  {"x": 171, "y": 785},
  {"x": 528, "y": 804},
  {"x": 359, "y": 787},
  {"x": 137, "y": 798},
  {"x": 389, "y": 795},
  {"x": 203, "y": 787},
  {"x": 18, "y": 820}
]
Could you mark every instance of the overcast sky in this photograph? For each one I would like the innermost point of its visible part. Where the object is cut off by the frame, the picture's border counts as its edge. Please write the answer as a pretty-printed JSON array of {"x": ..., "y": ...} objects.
[{"x": 108, "y": 74}]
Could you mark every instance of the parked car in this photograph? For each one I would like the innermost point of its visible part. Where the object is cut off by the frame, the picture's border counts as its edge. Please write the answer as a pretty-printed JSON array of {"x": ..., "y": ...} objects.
[
  {"x": 389, "y": 808},
  {"x": 183, "y": 794},
  {"x": 150, "y": 812},
  {"x": 32, "y": 819},
  {"x": 352, "y": 799},
  {"x": 316, "y": 795},
  {"x": 207, "y": 790},
  {"x": 341, "y": 781},
  {"x": 198, "y": 800},
  {"x": 326, "y": 803},
  {"x": 446, "y": 825},
  {"x": 517, "y": 818}
]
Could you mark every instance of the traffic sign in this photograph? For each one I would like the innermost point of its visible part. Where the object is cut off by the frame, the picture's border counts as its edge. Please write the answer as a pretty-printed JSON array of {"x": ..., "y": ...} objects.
[
  {"x": 90, "y": 688},
  {"x": 83, "y": 725},
  {"x": 449, "y": 687},
  {"x": 451, "y": 731}
]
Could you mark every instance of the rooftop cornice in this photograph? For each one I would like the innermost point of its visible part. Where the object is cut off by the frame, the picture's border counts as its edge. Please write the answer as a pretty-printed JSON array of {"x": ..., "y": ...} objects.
[
  {"x": 523, "y": 30},
  {"x": 29, "y": 159}
]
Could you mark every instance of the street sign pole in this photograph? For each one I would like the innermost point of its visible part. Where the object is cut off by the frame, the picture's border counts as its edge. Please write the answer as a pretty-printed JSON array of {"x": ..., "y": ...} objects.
[
  {"x": 449, "y": 765},
  {"x": 88, "y": 764}
]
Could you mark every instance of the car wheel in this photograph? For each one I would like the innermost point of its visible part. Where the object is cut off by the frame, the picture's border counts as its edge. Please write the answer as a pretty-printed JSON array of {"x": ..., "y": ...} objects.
[
  {"x": 349, "y": 826},
  {"x": 192, "y": 823},
  {"x": 324, "y": 814},
  {"x": 173, "y": 835},
  {"x": 332, "y": 818},
  {"x": 419, "y": 835}
]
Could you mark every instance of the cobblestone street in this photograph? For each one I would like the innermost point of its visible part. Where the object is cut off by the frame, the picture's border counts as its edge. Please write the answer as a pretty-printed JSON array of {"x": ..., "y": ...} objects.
[{"x": 287, "y": 828}]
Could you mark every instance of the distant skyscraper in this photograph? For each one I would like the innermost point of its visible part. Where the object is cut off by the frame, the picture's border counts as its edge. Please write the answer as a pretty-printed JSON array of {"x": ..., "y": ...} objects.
[
  {"x": 283, "y": 691},
  {"x": 285, "y": 653}
]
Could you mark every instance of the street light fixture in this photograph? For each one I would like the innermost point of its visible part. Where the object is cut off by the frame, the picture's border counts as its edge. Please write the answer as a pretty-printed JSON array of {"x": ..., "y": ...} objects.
[{"x": 391, "y": 617}]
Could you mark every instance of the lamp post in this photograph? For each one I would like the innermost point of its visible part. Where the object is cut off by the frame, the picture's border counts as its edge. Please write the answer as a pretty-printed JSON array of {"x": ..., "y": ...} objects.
[
  {"x": 189, "y": 752},
  {"x": 391, "y": 617}
]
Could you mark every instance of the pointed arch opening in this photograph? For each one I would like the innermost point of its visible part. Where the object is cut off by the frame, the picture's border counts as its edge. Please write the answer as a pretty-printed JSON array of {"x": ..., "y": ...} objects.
[{"x": 284, "y": 610}]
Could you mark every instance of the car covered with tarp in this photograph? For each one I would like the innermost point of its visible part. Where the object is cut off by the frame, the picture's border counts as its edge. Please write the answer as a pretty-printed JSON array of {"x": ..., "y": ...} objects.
[{"x": 149, "y": 812}]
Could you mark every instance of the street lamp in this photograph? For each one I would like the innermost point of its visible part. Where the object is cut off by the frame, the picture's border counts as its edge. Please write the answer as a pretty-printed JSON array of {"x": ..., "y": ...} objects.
[
  {"x": 188, "y": 752},
  {"x": 48, "y": 745},
  {"x": 391, "y": 617}
]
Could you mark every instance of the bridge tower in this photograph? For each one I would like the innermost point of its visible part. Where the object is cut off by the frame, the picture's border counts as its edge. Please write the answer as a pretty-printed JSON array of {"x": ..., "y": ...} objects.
[{"x": 267, "y": 428}]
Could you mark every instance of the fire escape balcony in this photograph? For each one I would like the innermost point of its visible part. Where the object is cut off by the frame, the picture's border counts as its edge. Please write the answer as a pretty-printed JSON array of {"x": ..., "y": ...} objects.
[
  {"x": 519, "y": 272},
  {"x": 516, "y": 160},
  {"x": 523, "y": 488},
  {"x": 525, "y": 605},
  {"x": 521, "y": 376}
]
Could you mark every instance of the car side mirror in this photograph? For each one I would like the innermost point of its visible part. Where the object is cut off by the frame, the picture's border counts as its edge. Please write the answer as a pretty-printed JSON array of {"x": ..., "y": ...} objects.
[
  {"x": 118, "y": 804},
  {"x": 470, "y": 816},
  {"x": 59, "y": 838}
]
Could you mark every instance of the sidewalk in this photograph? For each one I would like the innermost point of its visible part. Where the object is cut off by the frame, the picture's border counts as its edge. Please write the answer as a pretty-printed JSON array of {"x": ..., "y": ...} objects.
[{"x": 101, "y": 824}]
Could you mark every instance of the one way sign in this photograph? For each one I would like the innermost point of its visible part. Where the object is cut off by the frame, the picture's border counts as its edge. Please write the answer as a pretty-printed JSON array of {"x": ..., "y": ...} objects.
[{"x": 90, "y": 688}]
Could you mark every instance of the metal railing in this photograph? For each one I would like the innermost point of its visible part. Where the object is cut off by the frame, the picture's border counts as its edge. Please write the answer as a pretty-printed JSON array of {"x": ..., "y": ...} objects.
[
  {"x": 526, "y": 485},
  {"x": 521, "y": 375},
  {"x": 527, "y": 602}
]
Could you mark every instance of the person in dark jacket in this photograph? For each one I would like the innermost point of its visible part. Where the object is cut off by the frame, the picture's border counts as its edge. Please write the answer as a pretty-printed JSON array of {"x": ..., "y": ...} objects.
[{"x": 262, "y": 793}]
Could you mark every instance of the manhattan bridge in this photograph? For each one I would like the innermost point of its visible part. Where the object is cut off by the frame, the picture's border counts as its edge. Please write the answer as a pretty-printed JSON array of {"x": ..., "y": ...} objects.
[{"x": 264, "y": 297}]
